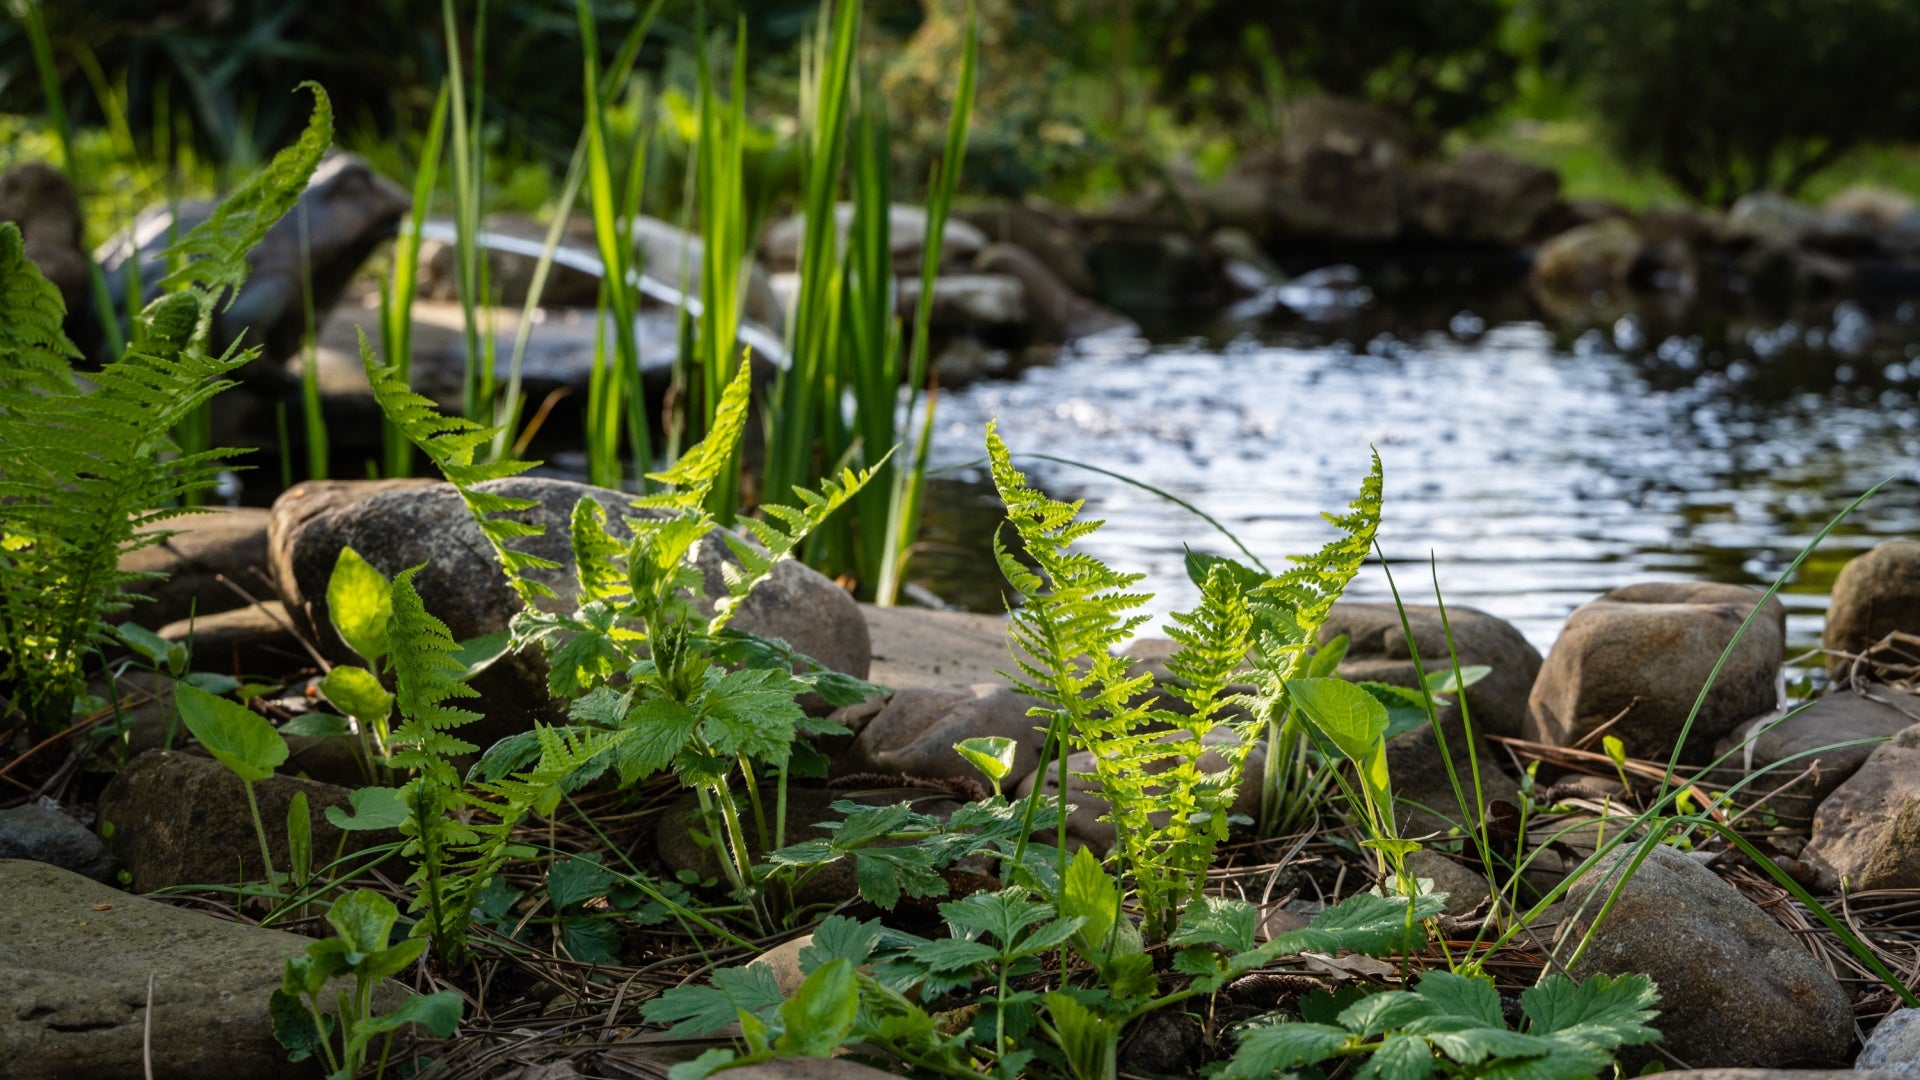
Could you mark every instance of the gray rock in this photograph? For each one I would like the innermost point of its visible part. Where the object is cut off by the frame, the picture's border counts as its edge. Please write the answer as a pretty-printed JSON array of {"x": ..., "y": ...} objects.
[
  {"x": 784, "y": 960},
  {"x": 1464, "y": 887},
  {"x": 1806, "y": 738},
  {"x": 1482, "y": 197},
  {"x": 74, "y": 984},
  {"x": 1146, "y": 266},
  {"x": 181, "y": 819},
  {"x": 1050, "y": 235},
  {"x": 913, "y": 731},
  {"x": 1894, "y": 1045},
  {"x": 1377, "y": 651},
  {"x": 348, "y": 210},
  {"x": 39, "y": 198},
  {"x": 253, "y": 640},
  {"x": 44, "y": 834},
  {"x": 1875, "y": 595},
  {"x": 1867, "y": 833},
  {"x": 907, "y": 231},
  {"x": 1340, "y": 173},
  {"x": 971, "y": 303},
  {"x": 1646, "y": 650},
  {"x": 1056, "y": 312},
  {"x": 1736, "y": 989},
  {"x": 204, "y": 548},
  {"x": 1423, "y": 791},
  {"x": 919, "y": 647},
  {"x": 1594, "y": 258},
  {"x": 1770, "y": 219},
  {"x": 398, "y": 524}
]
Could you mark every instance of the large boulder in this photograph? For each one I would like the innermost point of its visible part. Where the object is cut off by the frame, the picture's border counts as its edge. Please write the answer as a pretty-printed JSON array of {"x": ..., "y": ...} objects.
[
  {"x": 1736, "y": 988},
  {"x": 1643, "y": 652},
  {"x": 981, "y": 304},
  {"x": 1807, "y": 745},
  {"x": 919, "y": 647},
  {"x": 1051, "y": 236},
  {"x": 346, "y": 211},
  {"x": 1593, "y": 258},
  {"x": 1425, "y": 798},
  {"x": 1482, "y": 197},
  {"x": 1148, "y": 266},
  {"x": 1769, "y": 219},
  {"x": 1867, "y": 833},
  {"x": 907, "y": 231},
  {"x": 913, "y": 731},
  {"x": 38, "y": 198},
  {"x": 1340, "y": 173},
  {"x": 1377, "y": 651},
  {"x": 194, "y": 566},
  {"x": 1875, "y": 595},
  {"x": 402, "y": 523},
  {"x": 182, "y": 819},
  {"x": 97, "y": 983}
]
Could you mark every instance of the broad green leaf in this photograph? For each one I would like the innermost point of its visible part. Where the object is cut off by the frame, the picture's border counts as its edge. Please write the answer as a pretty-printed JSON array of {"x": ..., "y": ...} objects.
[
  {"x": 820, "y": 1014},
  {"x": 170, "y": 656},
  {"x": 1602, "y": 1011},
  {"x": 884, "y": 873},
  {"x": 439, "y": 1013},
  {"x": 1003, "y": 914},
  {"x": 222, "y": 685},
  {"x": 316, "y": 725},
  {"x": 235, "y": 735},
  {"x": 359, "y": 604},
  {"x": 954, "y": 955},
  {"x": 577, "y": 879},
  {"x": 703, "y": 1010},
  {"x": 373, "y": 808},
  {"x": 1466, "y": 996},
  {"x": 1326, "y": 659},
  {"x": 1220, "y": 921},
  {"x": 1352, "y": 719},
  {"x": 1267, "y": 1051},
  {"x": 478, "y": 654},
  {"x": 363, "y": 919},
  {"x": 1091, "y": 895},
  {"x": 1444, "y": 681},
  {"x": 1199, "y": 565},
  {"x": 591, "y": 940},
  {"x": 991, "y": 754},
  {"x": 1399, "y": 1057},
  {"x": 1377, "y": 1014},
  {"x": 357, "y": 692},
  {"x": 840, "y": 938},
  {"x": 294, "y": 1026},
  {"x": 390, "y": 961},
  {"x": 299, "y": 838}
]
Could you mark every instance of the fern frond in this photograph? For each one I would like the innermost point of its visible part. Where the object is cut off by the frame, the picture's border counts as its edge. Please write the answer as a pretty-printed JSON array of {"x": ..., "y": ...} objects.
[
  {"x": 691, "y": 479},
  {"x": 213, "y": 256},
  {"x": 452, "y": 442},
  {"x": 426, "y": 675},
  {"x": 596, "y": 554},
  {"x": 35, "y": 355},
  {"x": 779, "y": 535}
]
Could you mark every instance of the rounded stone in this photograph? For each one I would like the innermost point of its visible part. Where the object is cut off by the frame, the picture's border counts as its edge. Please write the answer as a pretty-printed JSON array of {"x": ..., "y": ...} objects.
[{"x": 1876, "y": 594}]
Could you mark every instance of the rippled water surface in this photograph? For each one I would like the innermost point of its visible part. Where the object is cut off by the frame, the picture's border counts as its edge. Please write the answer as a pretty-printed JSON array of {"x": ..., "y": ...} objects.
[{"x": 1537, "y": 468}]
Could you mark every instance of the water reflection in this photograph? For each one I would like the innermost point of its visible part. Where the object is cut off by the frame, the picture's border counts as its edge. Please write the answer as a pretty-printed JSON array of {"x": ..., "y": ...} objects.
[{"x": 1538, "y": 466}]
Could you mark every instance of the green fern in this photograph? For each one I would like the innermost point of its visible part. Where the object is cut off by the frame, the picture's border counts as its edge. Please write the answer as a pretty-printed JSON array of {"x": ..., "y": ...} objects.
[
  {"x": 452, "y": 442},
  {"x": 88, "y": 476},
  {"x": 213, "y": 256}
]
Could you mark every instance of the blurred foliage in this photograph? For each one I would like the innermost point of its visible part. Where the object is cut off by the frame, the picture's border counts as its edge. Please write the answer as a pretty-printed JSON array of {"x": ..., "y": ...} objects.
[
  {"x": 1441, "y": 66},
  {"x": 1724, "y": 97}
]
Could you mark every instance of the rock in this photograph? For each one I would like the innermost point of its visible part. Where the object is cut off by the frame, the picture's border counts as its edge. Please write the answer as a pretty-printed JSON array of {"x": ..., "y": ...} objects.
[
  {"x": 38, "y": 198},
  {"x": 1144, "y": 266},
  {"x": 1377, "y": 651},
  {"x": 1056, "y": 312},
  {"x": 1339, "y": 174},
  {"x": 802, "y": 1068},
  {"x": 1594, "y": 258},
  {"x": 907, "y": 231},
  {"x": 1084, "y": 821},
  {"x": 912, "y": 731},
  {"x": 1769, "y": 219},
  {"x": 1867, "y": 833},
  {"x": 915, "y": 647},
  {"x": 1482, "y": 197},
  {"x": 969, "y": 303},
  {"x": 784, "y": 959},
  {"x": 664, "y": 253},
  {"x": 254, "y": 640},
  {"x": 1877, "y": 207},
  {"x": 182, "y": 819},
  {"x": 1464, "y": 888},
  {"x": 1874, "y": 595},
  {"x": 1423, "y": 792},
  {"x": 74, "y": 984},
  {"x": 1050, "y": 235},
  {"x": 1893, "y": 1047},
  {"x": 1736, "y": 988},
  {"x": 1776, "y": 1074},
  {"x": 1801, "y": 738},
  {"x": 398, "y": 524},
  {"x": 348, "y": 210},
  {"x": 228, "y": 543},
  {"x": 1646, "y": 650},
  {"x": 43, "y": 833}
]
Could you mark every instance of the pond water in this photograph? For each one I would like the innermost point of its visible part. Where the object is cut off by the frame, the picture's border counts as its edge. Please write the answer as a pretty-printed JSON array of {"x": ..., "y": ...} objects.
[{"x": 1536, "y": 465}]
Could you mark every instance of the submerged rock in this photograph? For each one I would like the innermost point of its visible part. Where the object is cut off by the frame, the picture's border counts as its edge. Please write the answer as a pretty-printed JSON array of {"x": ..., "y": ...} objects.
[
  {"x": 397, "y": 524},
  {"x": 83, "y": 961},
  {"x": 1736, "y": 989},
  {"x": 1597, "y": 257},
  {"x": 1645, "y": 651},
  {"x": 1867, "y": 833},
  {"x": 1874, "y": 595}
]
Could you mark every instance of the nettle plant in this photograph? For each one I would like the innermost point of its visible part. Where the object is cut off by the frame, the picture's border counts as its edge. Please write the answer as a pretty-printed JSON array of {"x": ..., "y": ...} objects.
[{"x": 1075, "y": 950}]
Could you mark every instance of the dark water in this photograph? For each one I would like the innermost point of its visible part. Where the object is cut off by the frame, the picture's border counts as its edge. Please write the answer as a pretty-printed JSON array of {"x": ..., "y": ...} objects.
[{"x": 1537, "y": 465}]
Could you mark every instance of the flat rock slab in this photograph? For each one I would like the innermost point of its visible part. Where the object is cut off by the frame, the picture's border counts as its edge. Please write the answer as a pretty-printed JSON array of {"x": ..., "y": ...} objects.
[
  {"x": 73, "y": 984},
  {"x": 916, "y": 647},
  {"x": 204, "y": 548}
]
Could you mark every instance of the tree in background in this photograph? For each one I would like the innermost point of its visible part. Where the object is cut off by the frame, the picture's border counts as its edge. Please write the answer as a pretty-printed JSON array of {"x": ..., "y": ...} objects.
[
  {"x": 1438, "y": 65},
  {"x": 1725, "y": 97}
]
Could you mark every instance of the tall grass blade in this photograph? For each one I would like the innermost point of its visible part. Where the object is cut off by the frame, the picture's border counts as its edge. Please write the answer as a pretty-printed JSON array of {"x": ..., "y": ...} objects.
[{"x": 396, "y": 304}]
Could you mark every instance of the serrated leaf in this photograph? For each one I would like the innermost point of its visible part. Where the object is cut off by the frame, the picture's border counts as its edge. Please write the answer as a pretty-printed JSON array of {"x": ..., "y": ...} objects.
[
  {"x": 1002, "y": 914},
  {"x": 657, "y": 729},
  {"x": 359, "y": 604},
  {"x": 1267, "y": 1051},
  {"x": 1376, "y": 1014},
  {"x": 1399, "y": 1057},
  {"x": 820, "y": 1015},
  {"x": 1346, "y": 714},
  {"x": 591, "y": 940},
  {"x": 703, "y": 1010},
  {"x": 577, "y": 879},
  {"x": 1603, "y": 1011},
  {"x": 883, "y": 874},
  {"x": 439, "y": 1013},
  {"x": 840, "y": 938},
  {"x": 1226, "y": 923},
  {"x": 1472, "y": 997},
  {"x": 294, "y": 1026}
]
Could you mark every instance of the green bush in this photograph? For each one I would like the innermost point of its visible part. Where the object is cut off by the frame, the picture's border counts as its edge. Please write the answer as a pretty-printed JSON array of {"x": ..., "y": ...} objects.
[{"x": 1725, "y": 97}]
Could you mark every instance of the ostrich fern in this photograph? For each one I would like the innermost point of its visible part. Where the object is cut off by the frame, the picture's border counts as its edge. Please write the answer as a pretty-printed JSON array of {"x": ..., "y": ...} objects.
[{"x": 89, "y": 474}]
